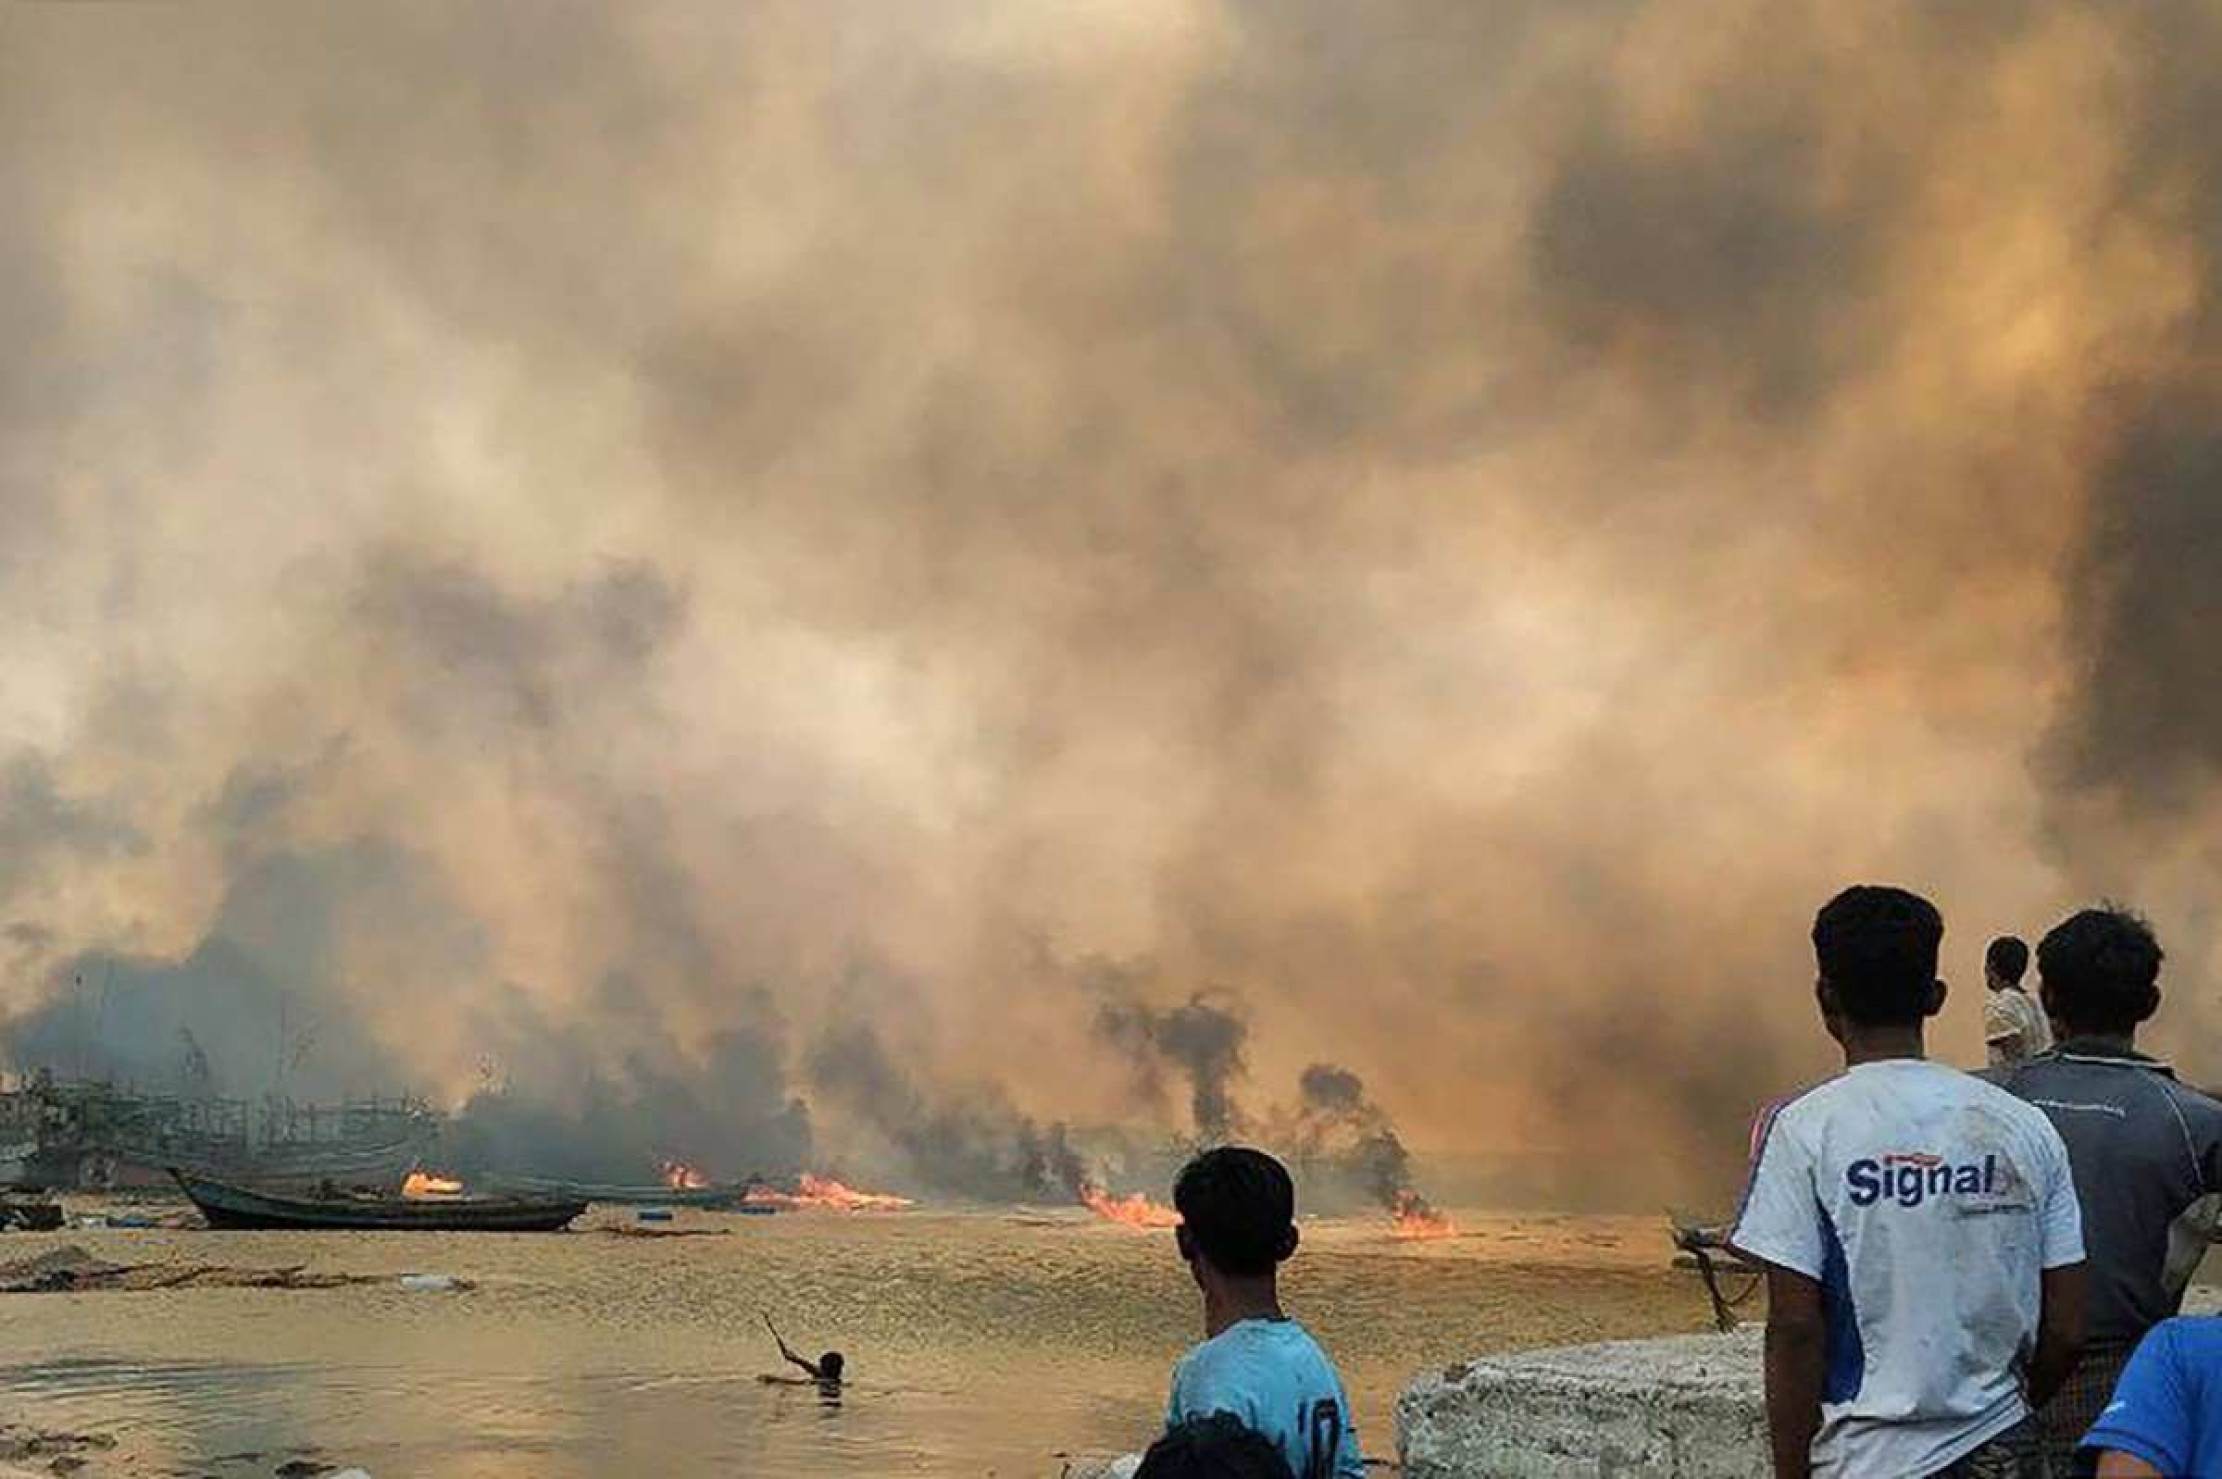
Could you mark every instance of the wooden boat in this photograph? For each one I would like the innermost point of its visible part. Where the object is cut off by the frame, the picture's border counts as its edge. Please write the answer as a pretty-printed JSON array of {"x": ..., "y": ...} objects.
[
  {"x": 704, "y": 1198},
  {"x": 228, "y": 1205}
]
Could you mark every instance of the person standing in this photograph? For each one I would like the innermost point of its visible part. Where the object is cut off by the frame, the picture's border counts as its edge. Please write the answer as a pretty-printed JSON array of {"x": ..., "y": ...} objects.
[
  {"x": 2014, "y": 1026},
  {"x": 1238, "y": 1226},
  {"x": 2146, "y": 1150},
  {"x": 2165, "y": 1421},
  {"x": 1920, "y": 1234}
]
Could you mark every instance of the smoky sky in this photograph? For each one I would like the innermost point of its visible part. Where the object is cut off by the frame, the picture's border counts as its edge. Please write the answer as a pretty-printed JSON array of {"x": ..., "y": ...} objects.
[{"x": 600, "y": 551}]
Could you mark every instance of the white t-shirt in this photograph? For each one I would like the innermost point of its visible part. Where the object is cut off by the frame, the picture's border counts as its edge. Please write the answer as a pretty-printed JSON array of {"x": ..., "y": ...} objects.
[
  {"x": 2014, "y": 1027},
  {"x": 1925, "y": 1202}
]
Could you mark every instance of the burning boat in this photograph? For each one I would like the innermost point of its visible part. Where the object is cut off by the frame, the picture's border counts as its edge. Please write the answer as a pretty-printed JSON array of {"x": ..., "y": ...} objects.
[
  {"x": 708, "y": 1196},
  {"x": 226, "y": 1205}
]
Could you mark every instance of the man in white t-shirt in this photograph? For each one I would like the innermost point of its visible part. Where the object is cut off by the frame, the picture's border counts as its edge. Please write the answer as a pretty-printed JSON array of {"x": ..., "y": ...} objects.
[
  {"x": 2015, "y": 1028},
  {"x": 1920, "y": 1230}
]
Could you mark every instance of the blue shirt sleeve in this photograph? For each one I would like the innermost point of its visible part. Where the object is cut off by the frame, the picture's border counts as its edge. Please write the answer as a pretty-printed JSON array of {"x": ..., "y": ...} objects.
[{"x": 2153, "y": 1411}]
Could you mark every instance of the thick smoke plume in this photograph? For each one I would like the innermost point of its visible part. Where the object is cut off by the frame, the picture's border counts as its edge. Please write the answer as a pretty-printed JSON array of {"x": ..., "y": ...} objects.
[
  {"x": 1338, "y": 1125},
  {"x": 973, "y": 1143},
  {"x": 537, "y": 538},
  {"x": 1199, "y": 1039}
]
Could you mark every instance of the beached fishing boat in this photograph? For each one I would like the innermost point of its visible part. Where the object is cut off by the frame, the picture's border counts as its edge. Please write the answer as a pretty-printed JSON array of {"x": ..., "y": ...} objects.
[
  {"x": 707, "y": 1198},
  {"x": 227, "y": 1205}
]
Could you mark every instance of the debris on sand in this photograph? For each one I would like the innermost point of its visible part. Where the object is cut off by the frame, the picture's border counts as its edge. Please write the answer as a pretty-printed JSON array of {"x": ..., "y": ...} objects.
[
  {"x": 62, "y": 1452},
  {"x": 628, "y": 1231},
  {"x": 303, "y": 1465},
  {"x": 70, "y": 1269},
  {"x": 29, "y": 1214}
]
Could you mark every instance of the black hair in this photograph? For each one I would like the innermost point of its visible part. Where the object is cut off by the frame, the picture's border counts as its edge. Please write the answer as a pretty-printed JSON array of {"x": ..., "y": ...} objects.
[
  {"x": 2007, "y": 958},
  {"x": 829, "y": 1366},
  {"x": 1877, "y": 950},
  {"x": 1214, "y": 1447},
  {"x": 1237, "y": 1209},
  {"x": 2101, "y": 970}
]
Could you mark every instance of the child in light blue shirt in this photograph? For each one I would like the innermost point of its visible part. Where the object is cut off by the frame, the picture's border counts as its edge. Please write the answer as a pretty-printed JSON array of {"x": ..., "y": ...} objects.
[{"x": 1238, "y": 1224}]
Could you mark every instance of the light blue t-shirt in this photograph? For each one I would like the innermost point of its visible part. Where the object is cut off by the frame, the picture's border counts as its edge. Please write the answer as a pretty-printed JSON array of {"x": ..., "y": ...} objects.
[
  {"x": 2167, "y": 1407},
  {"x": 1273, "y": 1376}
]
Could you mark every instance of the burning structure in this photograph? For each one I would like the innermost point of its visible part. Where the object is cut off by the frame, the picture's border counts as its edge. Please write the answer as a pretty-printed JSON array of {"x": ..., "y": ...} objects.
[{"x": 90, "y": 1134}]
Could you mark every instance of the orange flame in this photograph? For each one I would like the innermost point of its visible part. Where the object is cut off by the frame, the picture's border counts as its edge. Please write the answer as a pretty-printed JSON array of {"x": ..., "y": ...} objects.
[
  {"x": 1411, "y": 1216},
  {"x": 680, "y": 1176},
  {"x": 814, "y": 1191},
  {"x": 421, "y": 1184},
  {"x": 1134, "y": 1211}
]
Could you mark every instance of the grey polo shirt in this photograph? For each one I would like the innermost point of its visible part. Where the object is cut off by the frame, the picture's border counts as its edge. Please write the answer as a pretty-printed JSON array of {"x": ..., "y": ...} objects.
[{"x": 2147, "y": 1157}]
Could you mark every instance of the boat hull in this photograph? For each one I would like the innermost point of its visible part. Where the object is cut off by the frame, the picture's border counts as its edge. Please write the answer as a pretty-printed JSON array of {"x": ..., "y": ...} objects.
[
  {"x": 704, "y": 1198},
  {"x": 229, "y": 1206}
]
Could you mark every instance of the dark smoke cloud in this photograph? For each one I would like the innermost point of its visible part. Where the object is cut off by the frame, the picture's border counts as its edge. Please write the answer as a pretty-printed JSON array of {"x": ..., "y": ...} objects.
[
  {"x": 263, "y": 998},
  {"x": 42, "y": 828},
  {"x": 1200, "y": 1039},
  {"x": 1340, "y": 1130},
  {"x": 970, "y": 1142},
  {"x": 721, "y": 1114},
  {"x": 1460, "y": 525},
  {"x": 2148, "y": 725}
]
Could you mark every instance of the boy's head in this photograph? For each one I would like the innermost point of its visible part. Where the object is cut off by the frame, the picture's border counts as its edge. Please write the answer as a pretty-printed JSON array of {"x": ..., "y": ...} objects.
[
  {"x": 1237, "y": 1211},
  {"x": 829, "y": 1366},
  {"x": 2004, "y": 961},
  {"x": 2100, "y": 972},
  {"x": 1876, "y": 948},
  {"x": 1214, "y": 1447}
]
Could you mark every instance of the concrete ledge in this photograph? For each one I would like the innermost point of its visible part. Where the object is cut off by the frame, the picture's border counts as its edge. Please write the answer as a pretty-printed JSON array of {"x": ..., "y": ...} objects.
[{"x": 1681, "y": 1407}]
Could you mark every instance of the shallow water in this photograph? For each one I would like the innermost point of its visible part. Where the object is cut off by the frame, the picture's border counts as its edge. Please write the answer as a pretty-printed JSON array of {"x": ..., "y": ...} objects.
[{"x": 982, "y": 1343}]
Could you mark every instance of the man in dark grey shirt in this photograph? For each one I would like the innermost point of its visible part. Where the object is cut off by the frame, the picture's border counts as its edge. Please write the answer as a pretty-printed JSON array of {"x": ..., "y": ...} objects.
[{"x": 2146, "y": 1151}]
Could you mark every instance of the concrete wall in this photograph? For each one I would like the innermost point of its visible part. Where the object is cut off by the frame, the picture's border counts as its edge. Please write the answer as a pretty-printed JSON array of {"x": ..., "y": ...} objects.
[{"x": 1683, "y": 1407}]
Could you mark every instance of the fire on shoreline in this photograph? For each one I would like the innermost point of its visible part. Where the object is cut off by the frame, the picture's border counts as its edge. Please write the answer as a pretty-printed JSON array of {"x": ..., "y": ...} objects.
[
  {"x": 1412, "y": 1217},
  {"x": 813, "y": 1191},
  {"x": 418, "y": 1185},
  {"x": 1136, "y": 1210},
  {"x": 679, "y": 1176}
]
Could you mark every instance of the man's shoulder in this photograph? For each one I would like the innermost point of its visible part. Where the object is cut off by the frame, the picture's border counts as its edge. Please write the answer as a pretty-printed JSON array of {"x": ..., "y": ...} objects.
[
  {"x": 2197, "y": 1335},
  {"x": 2199, "y": 1107},
  {"x": 2192, "y": 1343},
  {"x": 2006, "y": 1097},
  {"x": 2000, "y": 1097},
  {"x": 1801, "y": 1108},
  {"x": 1240, "y": 1352}
]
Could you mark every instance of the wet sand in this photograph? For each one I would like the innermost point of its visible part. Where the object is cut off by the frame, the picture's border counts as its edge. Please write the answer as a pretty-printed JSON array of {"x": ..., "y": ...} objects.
[{"x": 981, "y": 1342}]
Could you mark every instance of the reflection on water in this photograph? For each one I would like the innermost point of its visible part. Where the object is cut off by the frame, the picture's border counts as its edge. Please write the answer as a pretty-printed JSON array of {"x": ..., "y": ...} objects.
[{"x": 978, "y": 1343}]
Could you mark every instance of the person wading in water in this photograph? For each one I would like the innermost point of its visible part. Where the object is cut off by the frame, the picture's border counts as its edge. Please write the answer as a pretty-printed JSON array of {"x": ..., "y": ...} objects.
[{"x": 825, "y": 1372}]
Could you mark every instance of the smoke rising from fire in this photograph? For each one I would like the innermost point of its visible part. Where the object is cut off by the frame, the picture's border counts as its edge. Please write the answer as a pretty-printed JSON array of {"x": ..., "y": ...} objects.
[
  {"x": 1336, "y": 1123},
  {"x": 635, "y": 565},
  {"x": 1200, "y": 1039}
]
